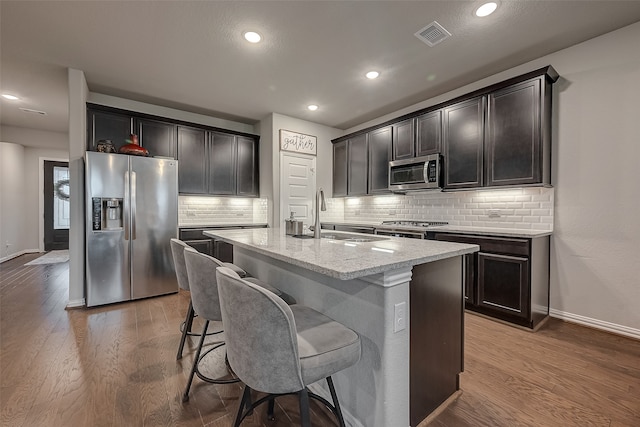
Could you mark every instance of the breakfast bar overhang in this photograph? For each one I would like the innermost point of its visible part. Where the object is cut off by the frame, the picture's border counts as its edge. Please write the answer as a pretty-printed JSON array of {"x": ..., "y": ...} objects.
[{"x": 389, "y": 290}]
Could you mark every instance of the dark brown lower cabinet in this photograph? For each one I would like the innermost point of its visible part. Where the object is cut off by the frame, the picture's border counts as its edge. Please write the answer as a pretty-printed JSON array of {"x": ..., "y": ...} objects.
[
  {"x": 508, "y": 279},
  {"x": 196, "y": 238}
]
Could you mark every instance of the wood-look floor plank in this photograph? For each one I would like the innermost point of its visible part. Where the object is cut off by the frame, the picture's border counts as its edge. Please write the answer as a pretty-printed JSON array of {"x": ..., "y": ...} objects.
[{"x": 115, "y": 366}]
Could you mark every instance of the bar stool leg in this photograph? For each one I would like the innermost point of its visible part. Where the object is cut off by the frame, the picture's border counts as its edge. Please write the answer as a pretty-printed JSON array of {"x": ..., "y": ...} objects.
[
  {"x": 185, "y": 395},
  {"x": 245, "y": 401},
  {"x": 334, "y": 396},
  {"x": 270, "y": 409},
  {"x": 188, "y": 322},
  {"x": 305, "y": 418}
]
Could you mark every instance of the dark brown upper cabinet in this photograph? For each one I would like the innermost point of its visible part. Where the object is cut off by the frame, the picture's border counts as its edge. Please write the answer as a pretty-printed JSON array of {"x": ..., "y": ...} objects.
[
  {"x": 222, "y": 163},
  {"x": 158, "y": 137},
  {"x": 248, "y": 167},
  {"x": 113, "y": 126},
  {"x": 429, "y": 133},
  {"x": 219, "y": 164},
  {"x": 516, "y": 148},
  {"x": 463, "y": 144},
  {"x": 495, "y": 136},
  {"x": 192, "y": 160},
  {"x": 380, "y": 142},
  {"x": 357, "y": 167},
  {"x": 340, "y": 169},
  {"x": 404, "y": 139}
]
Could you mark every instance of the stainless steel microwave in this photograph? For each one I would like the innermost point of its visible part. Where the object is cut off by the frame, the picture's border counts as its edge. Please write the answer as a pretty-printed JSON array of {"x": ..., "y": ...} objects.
[{"x": 418, "y": 173}]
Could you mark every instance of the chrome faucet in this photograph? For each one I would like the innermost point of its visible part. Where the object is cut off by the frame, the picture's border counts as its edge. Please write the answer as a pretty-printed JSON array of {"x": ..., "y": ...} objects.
[{"x": 319, "y": 206}]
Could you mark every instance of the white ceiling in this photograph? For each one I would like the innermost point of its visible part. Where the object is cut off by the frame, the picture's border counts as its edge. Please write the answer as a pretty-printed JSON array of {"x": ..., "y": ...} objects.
[{"x": 190, "y": 55}]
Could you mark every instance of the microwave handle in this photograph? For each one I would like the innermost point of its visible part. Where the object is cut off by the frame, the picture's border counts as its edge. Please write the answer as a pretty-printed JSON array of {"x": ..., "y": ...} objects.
[{"x": 425, "y": 171}]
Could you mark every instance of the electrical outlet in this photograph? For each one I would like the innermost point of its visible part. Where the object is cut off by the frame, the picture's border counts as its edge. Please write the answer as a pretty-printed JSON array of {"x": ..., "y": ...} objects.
[
  {"x": 400, "y": 317},
  {"x": 494, "y": 213},
  {"x": 392, "y": 212},
  {"x": 357, "y": 211}
]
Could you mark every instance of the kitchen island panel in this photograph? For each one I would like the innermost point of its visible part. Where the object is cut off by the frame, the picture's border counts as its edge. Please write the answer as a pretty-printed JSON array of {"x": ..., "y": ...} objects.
[{"x": 375, "y": 391}]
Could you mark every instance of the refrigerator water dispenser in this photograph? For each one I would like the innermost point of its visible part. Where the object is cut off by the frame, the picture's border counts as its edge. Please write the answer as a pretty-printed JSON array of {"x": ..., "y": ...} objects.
[{"x": 107, "y": 214}]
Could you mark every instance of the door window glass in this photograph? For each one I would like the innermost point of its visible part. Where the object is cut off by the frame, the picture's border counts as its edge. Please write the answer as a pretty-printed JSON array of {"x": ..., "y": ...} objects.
[{"x": 60, "y": 198}]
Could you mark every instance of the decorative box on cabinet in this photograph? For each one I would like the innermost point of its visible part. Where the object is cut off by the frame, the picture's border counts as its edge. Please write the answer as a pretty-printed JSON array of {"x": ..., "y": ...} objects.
[{"x": 508, "y": 278}]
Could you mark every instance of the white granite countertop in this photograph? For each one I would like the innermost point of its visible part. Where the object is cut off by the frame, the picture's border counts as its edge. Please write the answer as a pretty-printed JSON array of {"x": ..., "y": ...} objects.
[
  {"x": 485, "y": 231},
  {"x": 341, "y": 259},
  {"x": 492, "y": 231}
]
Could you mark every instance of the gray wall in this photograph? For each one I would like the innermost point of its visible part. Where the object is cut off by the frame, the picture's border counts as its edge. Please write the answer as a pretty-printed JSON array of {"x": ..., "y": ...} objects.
[
  {"x": 21, "y": 193},
  {"x": 11, "y": 200}
]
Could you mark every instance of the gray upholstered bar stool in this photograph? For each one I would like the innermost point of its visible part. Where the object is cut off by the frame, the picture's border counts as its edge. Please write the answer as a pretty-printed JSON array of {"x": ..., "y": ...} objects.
[
  {"x": 177, "y": 251},
  {"x": 279, "y": 349},
  {"x": 201, "y": 272}
]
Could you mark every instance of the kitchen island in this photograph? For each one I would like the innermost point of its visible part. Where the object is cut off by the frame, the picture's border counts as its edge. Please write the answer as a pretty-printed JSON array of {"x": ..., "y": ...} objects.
[{"x": 367, "y": 285}]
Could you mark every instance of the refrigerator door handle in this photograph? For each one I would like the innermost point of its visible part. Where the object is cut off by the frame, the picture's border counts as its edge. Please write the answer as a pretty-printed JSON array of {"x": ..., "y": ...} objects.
[
  {"x": 133, "y": 205},
  {"x": 126, "y": 206}
]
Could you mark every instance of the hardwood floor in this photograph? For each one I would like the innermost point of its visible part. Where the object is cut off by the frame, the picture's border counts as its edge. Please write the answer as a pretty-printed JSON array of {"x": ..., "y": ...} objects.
[{"x": 115, "y": 366}]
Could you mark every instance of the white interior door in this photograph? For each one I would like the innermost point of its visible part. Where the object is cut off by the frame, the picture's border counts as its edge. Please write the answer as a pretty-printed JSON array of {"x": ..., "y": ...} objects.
[{"x": 297, "y": 187}]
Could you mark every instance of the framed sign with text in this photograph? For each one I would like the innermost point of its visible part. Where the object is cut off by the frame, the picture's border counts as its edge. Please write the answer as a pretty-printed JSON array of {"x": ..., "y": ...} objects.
[{"x": 297, "y": 142}]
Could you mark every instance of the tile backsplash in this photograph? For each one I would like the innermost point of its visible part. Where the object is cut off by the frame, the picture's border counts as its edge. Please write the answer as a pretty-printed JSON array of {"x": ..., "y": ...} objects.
[
  {"x": 524, "y": 208},
  {"x": 197, "y": 210}
]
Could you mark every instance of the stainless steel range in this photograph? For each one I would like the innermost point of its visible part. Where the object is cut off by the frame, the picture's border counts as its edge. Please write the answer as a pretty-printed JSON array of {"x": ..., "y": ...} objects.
[{"x": 406, "y": 228}]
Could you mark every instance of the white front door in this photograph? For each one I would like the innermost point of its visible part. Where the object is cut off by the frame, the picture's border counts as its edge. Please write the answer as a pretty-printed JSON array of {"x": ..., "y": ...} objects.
[{"x": 297, "y": 188}]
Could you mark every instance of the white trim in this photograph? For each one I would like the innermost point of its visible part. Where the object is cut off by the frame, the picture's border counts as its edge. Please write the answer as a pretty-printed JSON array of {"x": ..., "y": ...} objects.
[
  {"x": 76, "y": 303},
  {"x": 596, "y": 324},
  {"x": 17, "y": 254},
  {"x": 41, "y": 161}
]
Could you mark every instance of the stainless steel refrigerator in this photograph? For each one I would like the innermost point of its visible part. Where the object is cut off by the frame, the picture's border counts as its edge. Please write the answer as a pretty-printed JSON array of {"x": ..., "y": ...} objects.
[{"x": 131, "y": 214}]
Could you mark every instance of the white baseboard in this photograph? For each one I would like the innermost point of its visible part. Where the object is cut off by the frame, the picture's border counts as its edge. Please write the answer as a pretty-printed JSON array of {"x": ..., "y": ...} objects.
[
  {"x": 17, "y": 254},
  {"x": 76, "y": 303},
  {"x": 597, "y": 324}
]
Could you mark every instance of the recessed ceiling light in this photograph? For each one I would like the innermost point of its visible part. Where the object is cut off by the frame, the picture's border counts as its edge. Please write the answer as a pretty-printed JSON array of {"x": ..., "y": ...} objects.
[
  {"x": 372, "y": 75},
  {"x": 486, "y": 9},
  {"x": 252, "y": 37},
  {"x": 312, "y": 107},
  {"x": 11, "y": 97}
]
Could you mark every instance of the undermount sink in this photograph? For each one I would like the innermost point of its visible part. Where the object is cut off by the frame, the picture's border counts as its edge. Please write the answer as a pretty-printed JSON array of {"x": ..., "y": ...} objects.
[
  {"x": 345, "y": 237},
  {"x": 357, "y": 238}
]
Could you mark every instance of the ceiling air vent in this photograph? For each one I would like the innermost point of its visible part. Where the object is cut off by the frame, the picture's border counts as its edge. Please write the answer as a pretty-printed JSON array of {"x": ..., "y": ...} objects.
[
  {"x": 29, "y": 110},
  {"x": 433, "y": 34}
]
